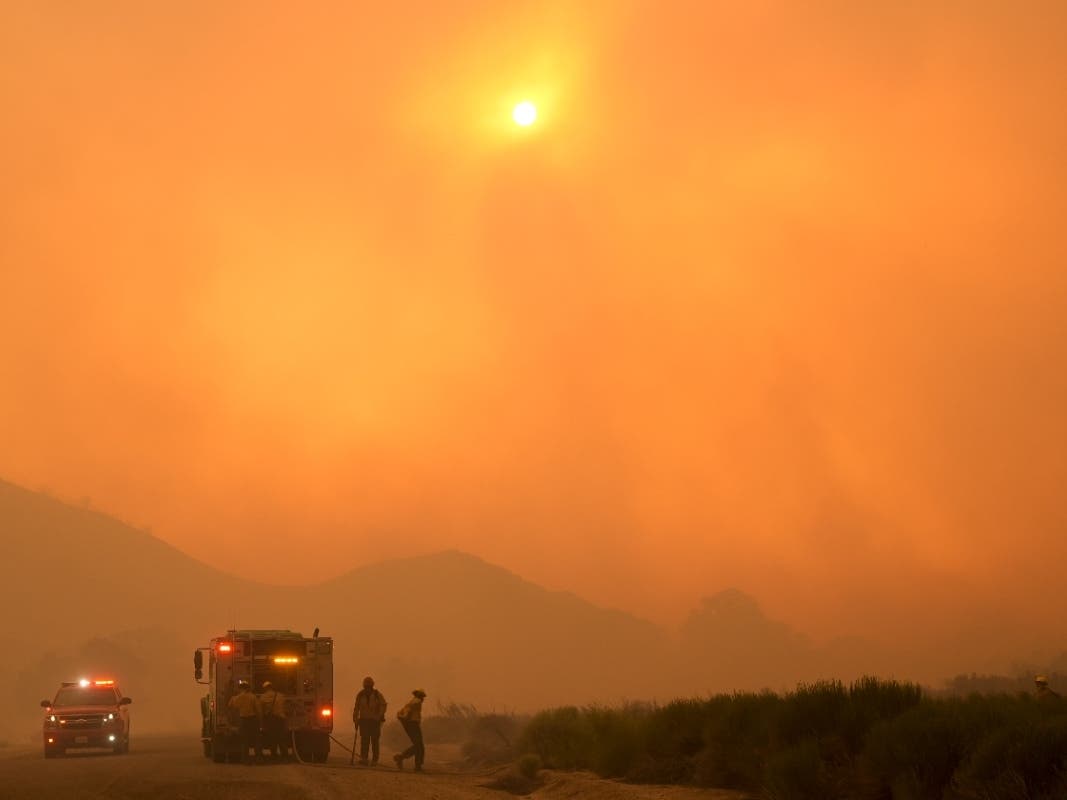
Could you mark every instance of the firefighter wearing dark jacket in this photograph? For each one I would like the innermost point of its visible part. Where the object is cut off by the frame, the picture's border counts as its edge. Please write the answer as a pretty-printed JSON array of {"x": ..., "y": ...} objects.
[
  {"x": 275, "y": 723},
  {"x": 369, "y": 714},
  {"x": 410, "y": 717},
  {"x": 250, "y": 715}
]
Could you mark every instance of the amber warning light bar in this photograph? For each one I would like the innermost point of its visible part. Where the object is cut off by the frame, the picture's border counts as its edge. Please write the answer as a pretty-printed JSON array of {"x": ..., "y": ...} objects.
[{"x": 286, "y": 660}]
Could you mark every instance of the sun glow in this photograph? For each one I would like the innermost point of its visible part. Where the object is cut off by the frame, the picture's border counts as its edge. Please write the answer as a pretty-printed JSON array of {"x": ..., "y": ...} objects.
[{"x": 524, "y": 114}]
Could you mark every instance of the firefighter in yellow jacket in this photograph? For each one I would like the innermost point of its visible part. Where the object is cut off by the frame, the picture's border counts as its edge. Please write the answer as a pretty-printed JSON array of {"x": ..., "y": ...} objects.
[
  {"x": 275, "y": 723},
  {"x": 369, "y": 714},
  {"x": 410, "y": 717},
  {"x": 250, "y": 715}
]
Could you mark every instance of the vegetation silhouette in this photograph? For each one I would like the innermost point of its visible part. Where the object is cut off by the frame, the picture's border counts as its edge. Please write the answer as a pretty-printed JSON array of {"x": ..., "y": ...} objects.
[{"x": 871, "y": 739}]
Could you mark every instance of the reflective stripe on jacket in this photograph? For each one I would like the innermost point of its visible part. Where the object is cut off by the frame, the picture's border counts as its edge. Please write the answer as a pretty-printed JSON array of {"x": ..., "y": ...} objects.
[
  {"x": 247, "y": 704},
  {"x": 412, "y": 712},
  {"x": 272, "y": 703},
  {"x": 369, "y": 705}
]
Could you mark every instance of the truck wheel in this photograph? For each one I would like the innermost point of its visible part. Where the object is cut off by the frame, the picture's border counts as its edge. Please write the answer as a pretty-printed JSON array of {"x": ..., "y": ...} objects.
[
  {"x": 218, "y": 750},
  {"x": 301, "y": 748},
  {"x": 321, "y": 745}
]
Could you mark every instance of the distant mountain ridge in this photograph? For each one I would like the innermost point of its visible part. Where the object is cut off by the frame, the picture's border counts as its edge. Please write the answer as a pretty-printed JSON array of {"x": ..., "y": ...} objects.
[
  {"x": 82, "y": 588},
  {"x": 77, "y": 572},
  {"x": 81, "y": 582},
  {"x": 103, "y": 576}
]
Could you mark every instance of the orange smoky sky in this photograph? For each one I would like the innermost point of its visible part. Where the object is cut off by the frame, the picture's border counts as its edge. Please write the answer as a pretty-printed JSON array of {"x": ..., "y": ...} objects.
[{"x": 773, "y": 295}]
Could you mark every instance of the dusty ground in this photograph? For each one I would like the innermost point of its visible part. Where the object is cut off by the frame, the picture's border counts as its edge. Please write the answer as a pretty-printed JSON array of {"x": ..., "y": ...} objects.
[{"x": 172, "y": 768}]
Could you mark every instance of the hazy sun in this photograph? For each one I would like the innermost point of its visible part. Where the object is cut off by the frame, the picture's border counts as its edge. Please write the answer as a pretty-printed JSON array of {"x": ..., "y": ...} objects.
[{"x": 524, "y": 113}]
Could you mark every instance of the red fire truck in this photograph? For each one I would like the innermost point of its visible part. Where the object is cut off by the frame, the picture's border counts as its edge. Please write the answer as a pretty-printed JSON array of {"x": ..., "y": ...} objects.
[{"x": 299, "y": 668}]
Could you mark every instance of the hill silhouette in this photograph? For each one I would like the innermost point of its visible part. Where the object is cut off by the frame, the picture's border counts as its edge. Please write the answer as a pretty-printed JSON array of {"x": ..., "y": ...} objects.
[
  {"x": 89, "y": 593},
  {"x": 487, "y": 634},
  {"x": 86, "y": 593},
  {"x": 77, "y": 573}
]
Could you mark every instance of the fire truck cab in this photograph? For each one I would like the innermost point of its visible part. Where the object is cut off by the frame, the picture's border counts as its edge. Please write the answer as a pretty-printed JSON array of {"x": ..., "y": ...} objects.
[{"x": 299, "y": 668}]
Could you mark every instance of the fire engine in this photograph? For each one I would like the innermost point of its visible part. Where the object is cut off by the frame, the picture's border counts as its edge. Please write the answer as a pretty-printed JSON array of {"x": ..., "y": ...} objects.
[{"x": 299, "y": 668}]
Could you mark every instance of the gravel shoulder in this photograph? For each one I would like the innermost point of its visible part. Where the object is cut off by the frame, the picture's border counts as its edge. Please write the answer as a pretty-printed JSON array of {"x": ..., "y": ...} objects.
[{"x": 173, "y": 768}]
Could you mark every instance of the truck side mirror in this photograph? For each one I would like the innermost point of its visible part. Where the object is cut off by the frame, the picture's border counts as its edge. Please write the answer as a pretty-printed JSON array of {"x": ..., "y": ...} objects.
[
  {"x": 125, "y": 701},
  {"x": 198, "y": 665},
  {"x": 46, "y": 704}
]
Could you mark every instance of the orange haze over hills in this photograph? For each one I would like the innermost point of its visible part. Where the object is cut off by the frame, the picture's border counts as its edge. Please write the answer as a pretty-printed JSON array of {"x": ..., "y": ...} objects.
[{"x": 772, "y": 295}]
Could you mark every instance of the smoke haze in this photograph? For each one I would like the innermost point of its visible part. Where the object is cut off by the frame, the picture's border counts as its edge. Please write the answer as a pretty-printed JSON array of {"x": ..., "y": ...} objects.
[{"x": 772, "y": 297}]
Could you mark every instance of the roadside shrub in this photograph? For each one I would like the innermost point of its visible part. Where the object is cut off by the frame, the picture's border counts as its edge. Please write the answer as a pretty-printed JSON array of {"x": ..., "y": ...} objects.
[
  {"x": 616, "y": 740},
  {"x": 670, "y": 738},
  {"x": 520, "y": 778},
  {"x": 740, "y": 732},
  {"x": 812, "y": 709},
  {"x": 562, "y": 737},
  {"x": 1027, "y": 760},
  {"x": 873, "y": 740},
  {"x": 491, "y": 739},
  {"x": 676, "y": 728},
  {"x": 916, "y": 754},
  {"x": 876, "y": 698},
  {"x": 529, "y": 765},
  {"x": 872, "y": 700},
  {"x": 798, "y": 773},
  {"x": 452, "y": 722},
  {"x": 483, "y": 738}
]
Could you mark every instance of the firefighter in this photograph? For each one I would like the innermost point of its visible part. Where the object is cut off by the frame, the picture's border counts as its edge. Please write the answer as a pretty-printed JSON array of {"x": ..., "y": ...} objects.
[
  {"x": 275, "y": 723},
  {"x": 410, "y": 717},
  {"x": 1043, "y": 692},
  {"x": 369, "y": 714},
  {"x": 250, "y": 713}
]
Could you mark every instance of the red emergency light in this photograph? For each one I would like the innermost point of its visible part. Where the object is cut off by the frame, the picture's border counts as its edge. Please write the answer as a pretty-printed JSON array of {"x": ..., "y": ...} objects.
[
  {"x": 104, "y": 683},
  {"x": 225, "y": 648},
  {"x": 327, "y": 712}
]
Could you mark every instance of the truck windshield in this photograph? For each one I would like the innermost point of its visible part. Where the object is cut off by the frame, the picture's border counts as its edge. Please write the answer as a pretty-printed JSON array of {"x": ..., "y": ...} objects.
[{"x": 86, "y": 696}]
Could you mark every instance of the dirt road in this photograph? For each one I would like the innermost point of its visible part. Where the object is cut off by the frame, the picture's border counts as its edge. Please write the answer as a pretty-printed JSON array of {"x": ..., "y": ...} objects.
[{"x": 172, "y": 768}]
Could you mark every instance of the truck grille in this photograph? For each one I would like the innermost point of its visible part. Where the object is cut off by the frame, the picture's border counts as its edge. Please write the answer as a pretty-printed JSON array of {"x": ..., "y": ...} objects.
[{"x": 82, "y": 721}]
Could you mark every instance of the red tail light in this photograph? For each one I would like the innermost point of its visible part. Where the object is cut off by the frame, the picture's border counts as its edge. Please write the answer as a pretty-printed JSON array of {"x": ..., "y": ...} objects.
[
  {"x": 327, "y": 712},
  {"x": 225, "y": 648}
]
